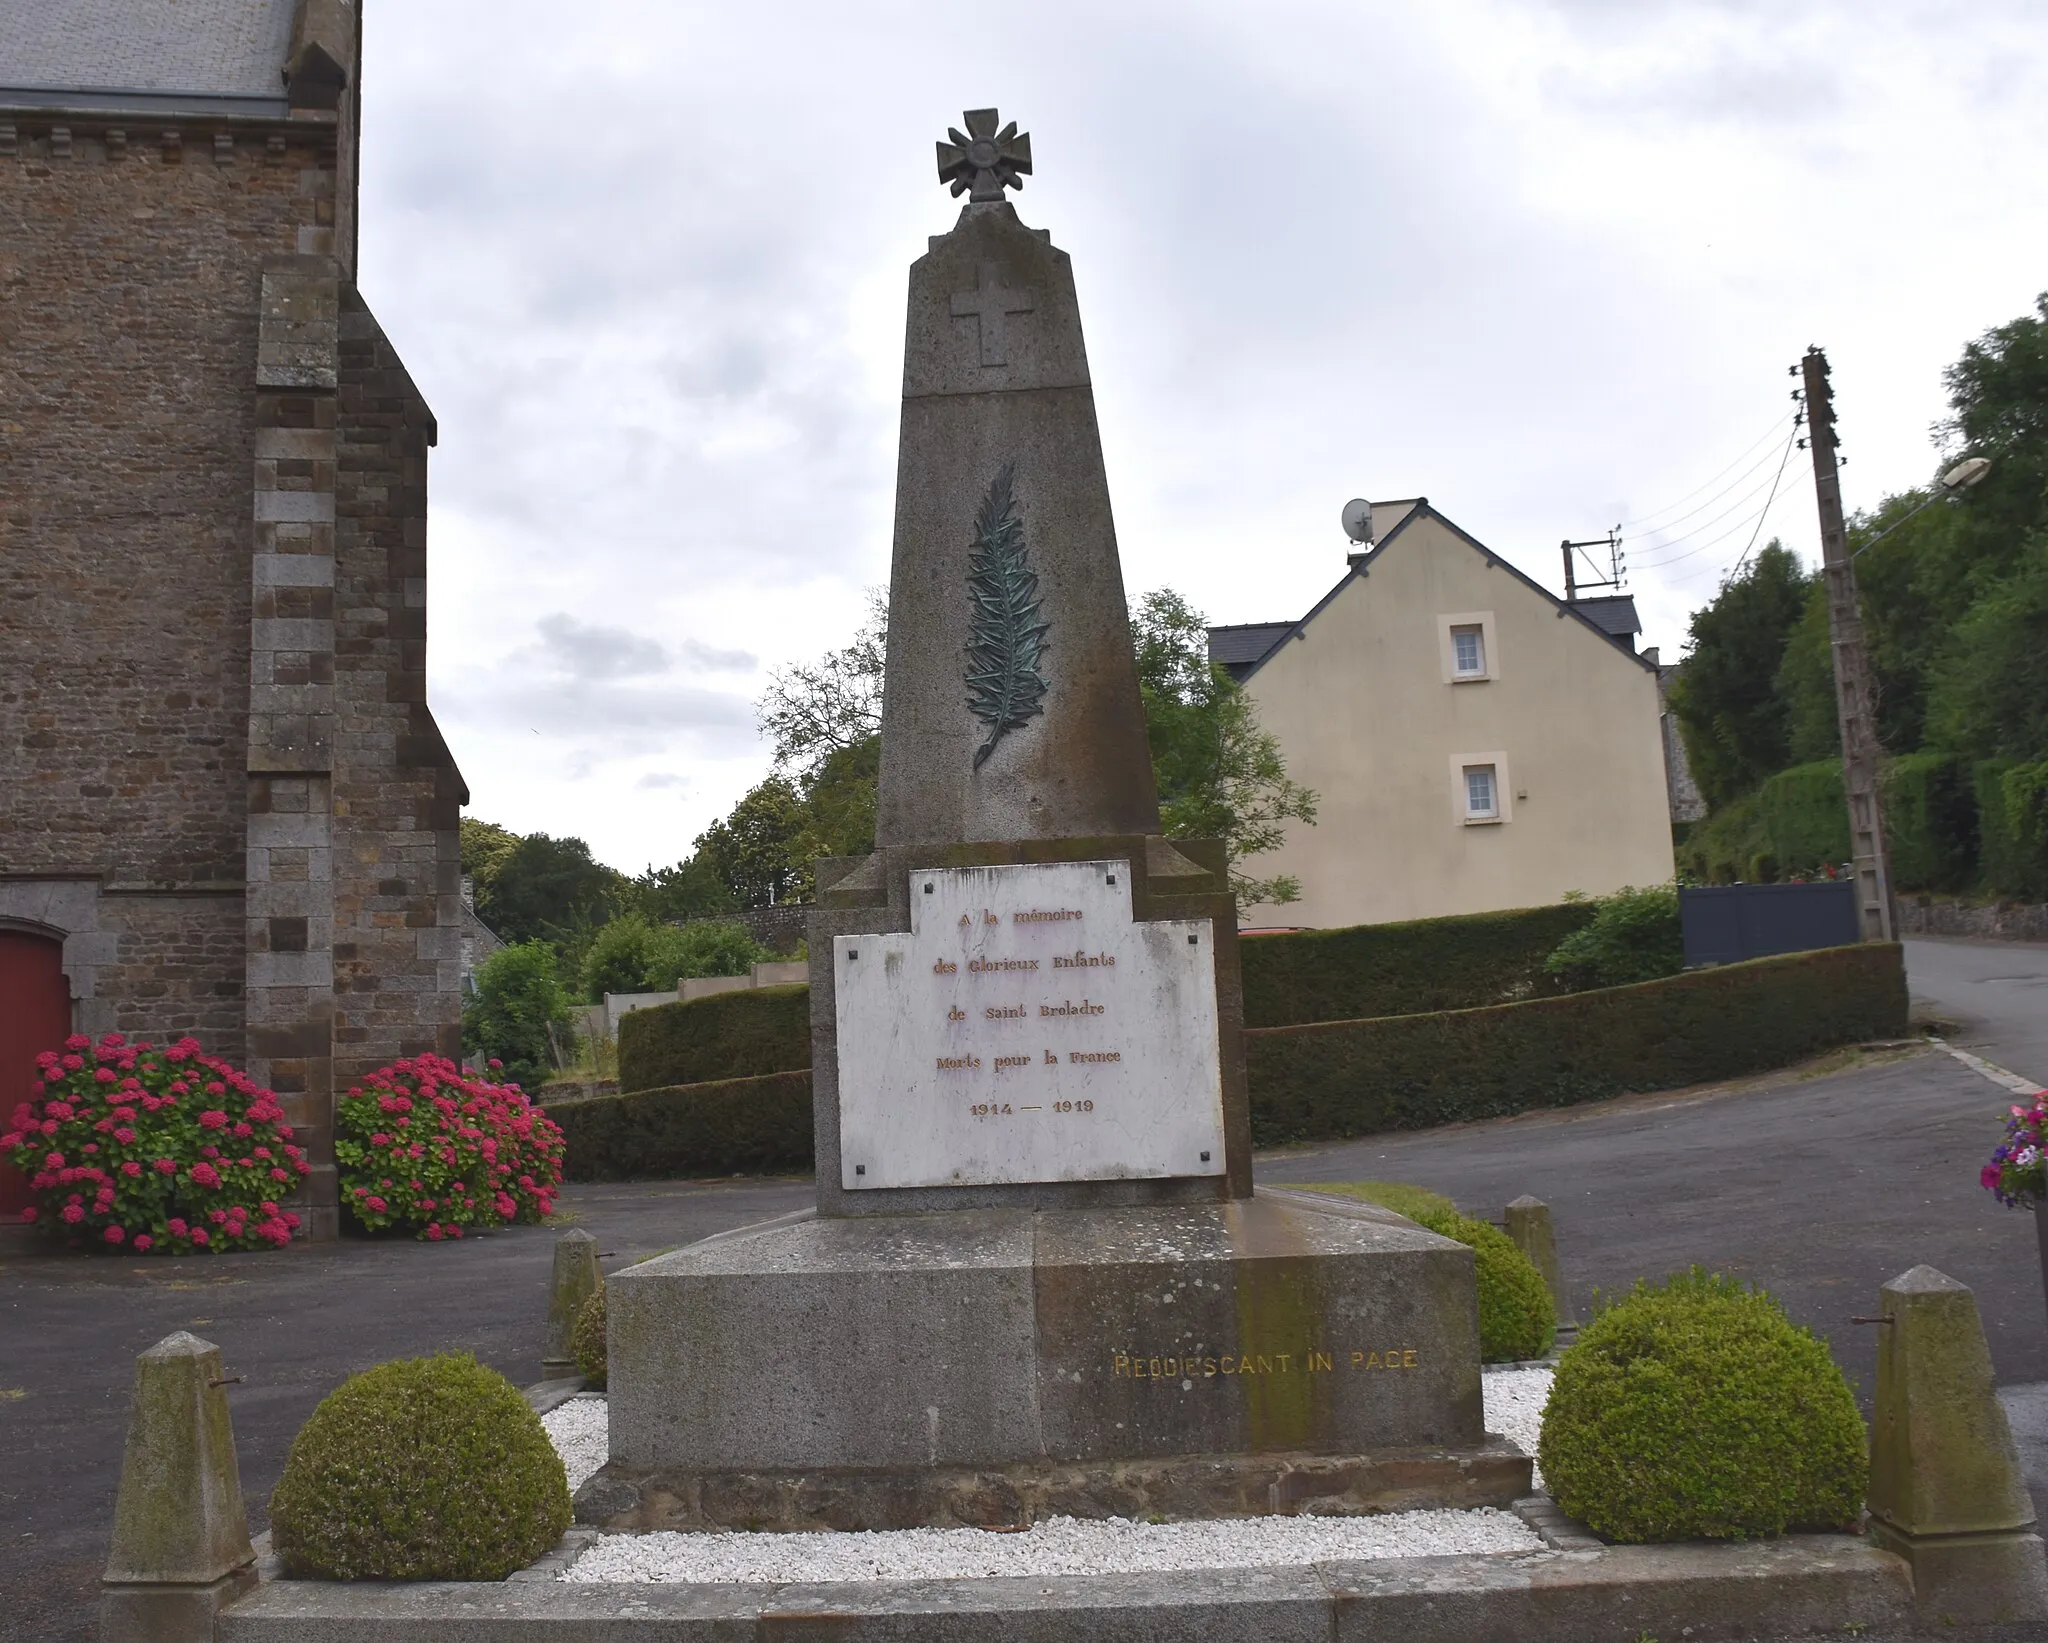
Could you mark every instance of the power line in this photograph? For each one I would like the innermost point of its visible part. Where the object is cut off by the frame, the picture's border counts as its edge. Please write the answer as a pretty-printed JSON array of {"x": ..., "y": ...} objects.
[
  {"x": 1760, "y": 518},
  {"x": 1739, "y": 507},
  {"x": 1709, "y": 569},
  {"x": 1659, "y": 513}
]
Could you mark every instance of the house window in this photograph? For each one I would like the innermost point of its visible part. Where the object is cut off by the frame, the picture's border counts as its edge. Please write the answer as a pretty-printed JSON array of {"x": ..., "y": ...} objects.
[
  {"x": 1481, "y": 802},
  {"x": 1482, "y": 791},
  {"x": 1468, "y": 648}
]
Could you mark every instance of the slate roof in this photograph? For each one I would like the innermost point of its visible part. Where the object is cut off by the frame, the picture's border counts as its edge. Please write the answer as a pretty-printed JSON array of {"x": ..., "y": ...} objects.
[
  {"x": 1614, "y": 615},
  {"x": 1360, "y": 564},
  {"x": 1236, "y": 649},
  {"x": 143, "y": 51}
]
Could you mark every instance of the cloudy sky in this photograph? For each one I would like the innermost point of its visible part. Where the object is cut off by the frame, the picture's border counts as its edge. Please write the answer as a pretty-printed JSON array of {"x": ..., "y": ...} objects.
[{"x": 1546, "y": 264}]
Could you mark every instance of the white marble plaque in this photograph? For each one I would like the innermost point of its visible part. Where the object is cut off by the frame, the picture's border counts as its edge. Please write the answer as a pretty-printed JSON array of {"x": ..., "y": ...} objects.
[{"x": 1027, "y": 1029}]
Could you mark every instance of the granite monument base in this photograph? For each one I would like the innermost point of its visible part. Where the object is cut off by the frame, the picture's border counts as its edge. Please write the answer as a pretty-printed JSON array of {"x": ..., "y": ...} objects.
[{"x": 994, "y": 1365}]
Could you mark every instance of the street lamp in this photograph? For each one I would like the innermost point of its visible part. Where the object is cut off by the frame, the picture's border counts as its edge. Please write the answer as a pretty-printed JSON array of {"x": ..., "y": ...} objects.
[{"x": 1952, "y": 484}]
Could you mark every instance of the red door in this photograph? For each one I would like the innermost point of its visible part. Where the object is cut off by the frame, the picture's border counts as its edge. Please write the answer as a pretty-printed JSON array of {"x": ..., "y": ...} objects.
[{"x": 35, "y": 1015}]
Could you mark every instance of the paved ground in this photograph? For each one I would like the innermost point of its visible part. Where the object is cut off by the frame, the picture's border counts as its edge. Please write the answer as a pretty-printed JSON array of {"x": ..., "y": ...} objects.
[
  {"x": 1820, "y": 1187},
  {"x": 1997, "y": 993}
]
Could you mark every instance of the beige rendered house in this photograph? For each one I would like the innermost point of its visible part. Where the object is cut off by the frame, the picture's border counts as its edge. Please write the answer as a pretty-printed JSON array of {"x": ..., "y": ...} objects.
[{"x": 1476, "y": 742}]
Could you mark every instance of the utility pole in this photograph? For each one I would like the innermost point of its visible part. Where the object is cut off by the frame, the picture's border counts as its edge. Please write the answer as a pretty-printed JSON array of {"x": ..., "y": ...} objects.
[{"x": 1855, "y": 690}]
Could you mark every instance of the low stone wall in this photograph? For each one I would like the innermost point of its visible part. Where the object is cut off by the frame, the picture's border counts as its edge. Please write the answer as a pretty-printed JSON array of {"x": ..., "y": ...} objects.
[
  {"x": 778, "y": 929},
  {"x": 1987, "y": 921}
]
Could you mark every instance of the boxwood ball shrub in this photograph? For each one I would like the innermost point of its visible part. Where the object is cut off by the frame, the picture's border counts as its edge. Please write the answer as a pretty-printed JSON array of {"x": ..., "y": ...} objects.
[
  {"x": 1696, "y": 1408},
  {"x": 426, "y": 1145},
  {"x": 424, "y": 1469},
  {"x": 1517, "y": 1318},
  {"x": 149, "y": 1150},
  {"x": 586, "y": 1341}
]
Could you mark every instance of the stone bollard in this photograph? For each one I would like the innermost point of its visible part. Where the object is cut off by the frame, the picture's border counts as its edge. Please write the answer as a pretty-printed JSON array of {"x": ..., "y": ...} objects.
[
  {"x": 1945, "y": 1487},
  {"x": 181, "y": 1549},
  {"x": 574, "y": 1281},
  {"x": 1529, "y": 1224}
]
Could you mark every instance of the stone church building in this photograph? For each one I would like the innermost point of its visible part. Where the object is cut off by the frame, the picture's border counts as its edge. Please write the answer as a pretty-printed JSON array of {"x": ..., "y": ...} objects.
[{"x": 225, "y": 807}]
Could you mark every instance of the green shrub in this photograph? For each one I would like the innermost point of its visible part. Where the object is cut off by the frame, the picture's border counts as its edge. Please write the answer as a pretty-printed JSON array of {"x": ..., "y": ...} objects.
[
  {"x": 1697, "y": 1408},
  {"x": 1332, "y": 1079},
  {"x": 1805, "y": 817},
  {"x": 424, "y": 1469},
  {"x": 2012, "y": 803},
  {"x": 1634, "y": 936},
  {"x": 1517, "y": 1318},
  {"x": 1723, "y": 848},
  {"x": 1930, "y": 822},
  {"x": 633, "y": 955},
  {"x": 741, "y": 1034},
  {"x": 1930, "y": 818},
  {"x": 734, "y": 1126},
  {"x": 1403, "y": 969},
  {"x": 519, "y": 1013},
  {"x": 587, "y": 1340}
]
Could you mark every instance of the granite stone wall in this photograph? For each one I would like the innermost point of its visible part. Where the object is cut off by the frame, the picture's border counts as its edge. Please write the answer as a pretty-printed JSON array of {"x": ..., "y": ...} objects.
[
  {"x": 223, "y": 787},
  {"x": 128, "y": 322}
]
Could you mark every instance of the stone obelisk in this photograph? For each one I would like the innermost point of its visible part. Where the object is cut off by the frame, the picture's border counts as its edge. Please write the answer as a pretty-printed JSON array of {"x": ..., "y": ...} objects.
[
  {"x": 997, "y": 407},
  {"x": 1037, "y": 1279}
]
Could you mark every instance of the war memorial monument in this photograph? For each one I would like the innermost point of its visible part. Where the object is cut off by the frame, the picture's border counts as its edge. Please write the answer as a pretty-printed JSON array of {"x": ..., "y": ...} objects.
[{"x": 1038, "y": 1277}]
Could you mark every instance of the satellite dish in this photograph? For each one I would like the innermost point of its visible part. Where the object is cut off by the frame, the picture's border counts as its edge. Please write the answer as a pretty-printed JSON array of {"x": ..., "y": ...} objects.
[{"x": 1358, "y": 519}]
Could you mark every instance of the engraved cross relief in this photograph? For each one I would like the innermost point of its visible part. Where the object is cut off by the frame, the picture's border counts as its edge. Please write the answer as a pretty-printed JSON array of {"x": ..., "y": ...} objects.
[{"x": 989, "y": 306}]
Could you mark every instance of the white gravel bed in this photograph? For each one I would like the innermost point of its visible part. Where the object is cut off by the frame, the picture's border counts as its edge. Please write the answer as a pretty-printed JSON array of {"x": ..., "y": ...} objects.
[
  {"x": 578, "y": 1431},
  {"x": 1057, "y": 1546},
  {"x": 1514, "y": 1408}
]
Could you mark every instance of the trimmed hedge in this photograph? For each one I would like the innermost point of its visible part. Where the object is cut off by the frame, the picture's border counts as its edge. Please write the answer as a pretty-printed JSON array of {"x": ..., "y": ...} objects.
[
  {"x": 1322, "y": 1081},
  {"x": 2012, "y": 815},
  {"x": 731, "y": 1126},
  {"x": 1930, "y": 819},
  {"x": 741, "y": 1034},
  {"x": 1456, "y": 963}
]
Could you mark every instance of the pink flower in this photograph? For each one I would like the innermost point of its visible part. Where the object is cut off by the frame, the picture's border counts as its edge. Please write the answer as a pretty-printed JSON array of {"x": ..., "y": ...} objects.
[
  {"x": 73, "y": 1214},
  {"x": 104, "y": 1075},
  {"x": 78, "y": 1041},
  {"x": 131, "y": 1169},
  {"x": 142, "y": 1242},
  {"x": 58, "y": 1109},
  {"x": 205, "y": 1175},
  {"x": 279, "y": 1174},
  {"x": 114, "y": 1235},
  {"x": 199, "y": 1236},
  {"x": 434, "y": 1231},
  {"x": 53, "y": 1160},
  {"x": 175, "y": 1226},
  {"x": 376, "y": 1205},
  {"x": 29, "y": 1213},
  {"x": 165, "y": 1166},
  {"x": 213, "y": 1118},
  {"x": 124, "y": 1135}
]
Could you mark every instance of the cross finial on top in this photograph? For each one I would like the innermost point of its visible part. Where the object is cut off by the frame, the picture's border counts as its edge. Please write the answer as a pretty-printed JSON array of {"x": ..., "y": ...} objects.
[{"x": 985, "y": 159}]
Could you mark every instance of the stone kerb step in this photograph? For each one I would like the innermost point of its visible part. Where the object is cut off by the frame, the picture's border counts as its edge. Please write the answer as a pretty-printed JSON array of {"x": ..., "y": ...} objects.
[{"x": 1802, "y": 1586}]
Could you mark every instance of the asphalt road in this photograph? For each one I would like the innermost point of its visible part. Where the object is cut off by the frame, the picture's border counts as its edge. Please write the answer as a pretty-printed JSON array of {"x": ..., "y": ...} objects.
[
  {"x": 1820, "y": 1188},
  {"x": 1995, "y": 991}
]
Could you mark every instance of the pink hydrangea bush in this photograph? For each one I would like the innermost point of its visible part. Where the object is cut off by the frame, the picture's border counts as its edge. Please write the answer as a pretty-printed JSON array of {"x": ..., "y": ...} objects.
[
  {"x": 149, "y": 1150},
  {"x": 435, "y": 1147}
]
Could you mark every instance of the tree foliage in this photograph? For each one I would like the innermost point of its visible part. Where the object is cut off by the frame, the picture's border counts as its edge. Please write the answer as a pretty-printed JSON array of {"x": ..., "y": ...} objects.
[
  {"x": 519, "y": 1013},
  {"x": 1219, "y": 775},
  {"x": 1954, "y": 596},
  {"x": 1736, "y": 726},
  {"x": 542, "y": 888},
  {"x": 832, "y": 706}
]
